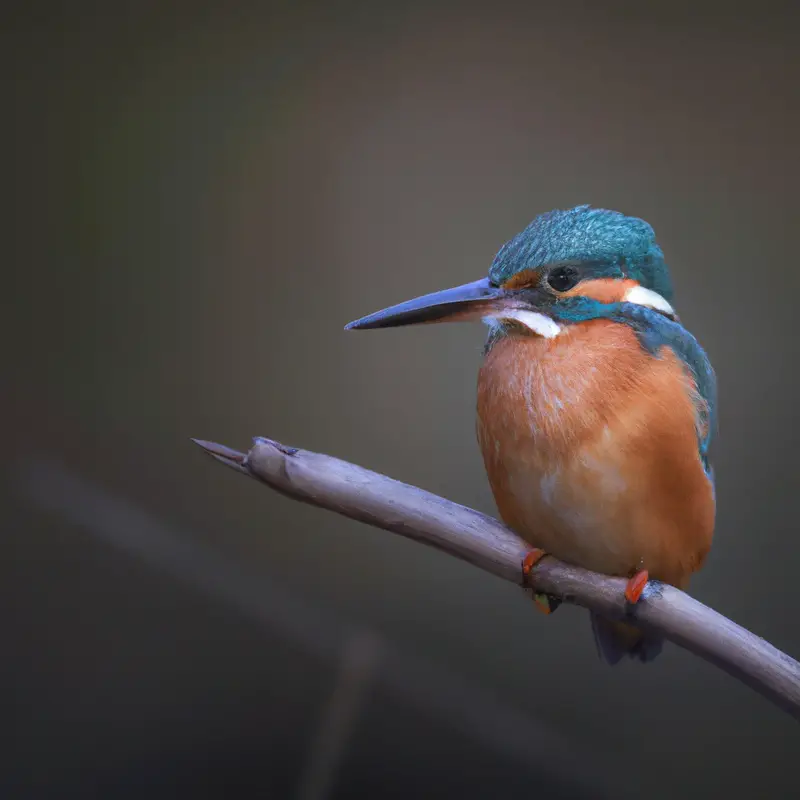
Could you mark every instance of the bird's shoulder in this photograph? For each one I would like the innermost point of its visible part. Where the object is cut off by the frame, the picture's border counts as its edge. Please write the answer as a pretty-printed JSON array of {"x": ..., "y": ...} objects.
[{"x": 656, "y": 333}]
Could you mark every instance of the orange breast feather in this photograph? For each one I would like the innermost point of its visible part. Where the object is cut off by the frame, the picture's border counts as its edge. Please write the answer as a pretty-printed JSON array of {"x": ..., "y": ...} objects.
[{"x": 590, "y": 445}]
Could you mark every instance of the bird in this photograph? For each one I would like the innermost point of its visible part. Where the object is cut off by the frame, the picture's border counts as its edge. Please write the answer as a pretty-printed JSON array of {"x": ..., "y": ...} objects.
[{"x": 596, "y": 407}]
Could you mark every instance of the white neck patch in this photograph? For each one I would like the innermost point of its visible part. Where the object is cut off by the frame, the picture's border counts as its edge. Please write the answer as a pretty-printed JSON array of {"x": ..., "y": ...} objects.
[
  {"x": 649, "y": 298},
  {"x": 548, "y": 328},
  {"x": 540, "y": 324}
]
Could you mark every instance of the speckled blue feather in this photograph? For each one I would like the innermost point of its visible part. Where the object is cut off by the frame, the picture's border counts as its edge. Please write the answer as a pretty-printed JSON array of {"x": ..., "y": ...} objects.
[{"x": 621, "y": 246}]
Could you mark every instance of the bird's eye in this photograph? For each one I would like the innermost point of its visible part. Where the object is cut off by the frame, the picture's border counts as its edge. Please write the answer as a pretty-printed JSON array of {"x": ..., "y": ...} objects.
[{"x": 562, "y": 278}]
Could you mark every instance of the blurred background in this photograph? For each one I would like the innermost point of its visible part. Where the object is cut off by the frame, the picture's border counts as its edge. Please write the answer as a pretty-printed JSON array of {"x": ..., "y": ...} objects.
[{"x": 201, "y": 196}]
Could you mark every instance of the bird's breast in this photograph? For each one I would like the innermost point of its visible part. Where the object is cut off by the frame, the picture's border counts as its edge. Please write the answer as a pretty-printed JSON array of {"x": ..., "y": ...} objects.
[{"x": 590, "y": 445}]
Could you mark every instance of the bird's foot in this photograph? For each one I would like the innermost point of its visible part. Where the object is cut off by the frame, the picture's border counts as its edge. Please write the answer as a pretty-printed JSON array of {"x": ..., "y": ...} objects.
[
  {"x": 546, "y": 603},
  {"x": 635, "y": 587},
  {"x": 532, "y": 558}
]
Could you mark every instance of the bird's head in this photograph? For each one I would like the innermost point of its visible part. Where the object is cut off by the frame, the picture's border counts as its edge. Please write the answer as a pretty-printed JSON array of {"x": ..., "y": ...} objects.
[{"x": 564, "y": 268}]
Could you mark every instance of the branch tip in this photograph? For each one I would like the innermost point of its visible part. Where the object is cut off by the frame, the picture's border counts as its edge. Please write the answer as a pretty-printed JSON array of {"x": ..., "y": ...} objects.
[{"x": 225, "y": 455}]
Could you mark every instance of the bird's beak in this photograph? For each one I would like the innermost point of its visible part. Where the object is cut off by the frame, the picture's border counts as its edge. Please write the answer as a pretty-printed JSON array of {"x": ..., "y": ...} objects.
[{"x": 469, "y": 301}]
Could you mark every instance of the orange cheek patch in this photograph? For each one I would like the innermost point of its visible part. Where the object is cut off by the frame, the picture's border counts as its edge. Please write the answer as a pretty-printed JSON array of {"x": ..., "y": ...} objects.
[
  {"x": 604, "y": 290},
  {"x": 527, "y": 277}
]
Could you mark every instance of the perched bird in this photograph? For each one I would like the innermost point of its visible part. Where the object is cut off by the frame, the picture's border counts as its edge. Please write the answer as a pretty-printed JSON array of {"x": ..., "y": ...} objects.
[{"x": 596, "y": 407}]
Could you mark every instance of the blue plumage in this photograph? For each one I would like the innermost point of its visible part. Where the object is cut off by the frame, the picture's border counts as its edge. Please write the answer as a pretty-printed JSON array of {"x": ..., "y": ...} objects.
[{"x": 618, "y": 244}]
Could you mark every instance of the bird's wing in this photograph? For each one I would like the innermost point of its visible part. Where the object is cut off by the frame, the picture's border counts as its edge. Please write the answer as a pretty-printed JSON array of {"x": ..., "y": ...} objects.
[{"x": 655, "y": 332}]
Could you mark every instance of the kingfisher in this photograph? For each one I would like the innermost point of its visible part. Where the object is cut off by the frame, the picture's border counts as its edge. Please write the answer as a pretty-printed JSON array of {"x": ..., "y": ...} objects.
[{"x": 595, "y": 406}]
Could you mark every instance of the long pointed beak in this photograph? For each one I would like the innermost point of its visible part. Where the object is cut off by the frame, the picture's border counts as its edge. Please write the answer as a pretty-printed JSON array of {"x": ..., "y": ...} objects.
[{"x": 469, "y": 301}]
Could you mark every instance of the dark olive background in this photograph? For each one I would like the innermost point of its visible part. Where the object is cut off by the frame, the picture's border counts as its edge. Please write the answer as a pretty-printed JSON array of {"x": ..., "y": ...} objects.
[{"x": 200, "y": 197}]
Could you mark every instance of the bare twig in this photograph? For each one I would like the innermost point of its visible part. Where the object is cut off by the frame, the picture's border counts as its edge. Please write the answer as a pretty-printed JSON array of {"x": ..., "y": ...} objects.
[
  {"x": 394, "y": 506},
  {"x": 365, "y": 657}
]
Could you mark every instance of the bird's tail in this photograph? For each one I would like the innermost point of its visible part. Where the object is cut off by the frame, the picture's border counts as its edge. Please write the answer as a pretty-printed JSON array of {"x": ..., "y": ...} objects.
[{"x": 617, "y": 639}]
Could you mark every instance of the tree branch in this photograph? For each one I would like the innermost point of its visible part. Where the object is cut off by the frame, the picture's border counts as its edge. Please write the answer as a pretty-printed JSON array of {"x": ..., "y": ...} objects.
[{"x": 467, "y": 534}]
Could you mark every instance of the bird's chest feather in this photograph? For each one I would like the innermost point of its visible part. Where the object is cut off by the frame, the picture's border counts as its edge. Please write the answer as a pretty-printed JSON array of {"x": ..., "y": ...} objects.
[{"x": 590, "y": 445}]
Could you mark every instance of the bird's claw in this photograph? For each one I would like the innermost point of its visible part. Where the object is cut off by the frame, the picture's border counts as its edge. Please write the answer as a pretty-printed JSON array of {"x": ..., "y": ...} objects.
[
  {"x": 546, "y": 603},
  {"x": 635, "y": 586},
  {"x": 532, "y": 558}
]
